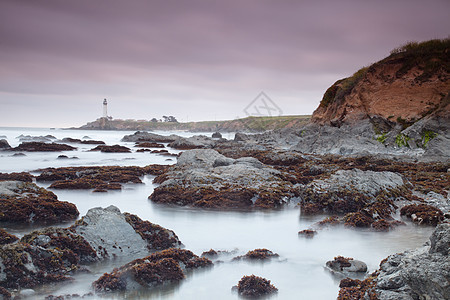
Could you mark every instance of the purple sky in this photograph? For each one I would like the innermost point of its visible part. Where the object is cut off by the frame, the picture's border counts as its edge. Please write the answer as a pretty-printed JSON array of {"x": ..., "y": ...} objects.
[{"x": 195, "y": 60}]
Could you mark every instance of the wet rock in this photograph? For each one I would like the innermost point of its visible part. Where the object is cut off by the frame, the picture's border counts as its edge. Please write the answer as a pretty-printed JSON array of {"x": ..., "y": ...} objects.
[
  {"x": 111, "y": 233},
  {"x": 364, "y": 196},
  {"x": 102, "y": 178},
  {"x": 53, "y": 254},
  {"x": 257, "y": 254},
  {"x": 78, "y": 141},
  {"x": 346, "y": 265},
  {"x": 112, "y": 149},
  {"x": 143, "y": 136},
  {"x": 195, "y": 142},
  {"x": 309, "y": 233},
  {"x": 22, "y": 176},
  {"x": 18, "y": 154},
  {"x": 422, "y": 213},
  {"x": 205, "y": 178},
  {"x": 422, "y": 273},
  {"x": 40, "y": 139},
  {"x": 159, "y": 268},
  {"x": 216, "y": 135},
  {"x": 241, "y": 137},
  {"x": 255, "y": 286},
  {"x": 149, "y": 145},
  {"x": 24, "y": 202},
  {"x": 4, "y": 144},
  {"x": 42, "y": 147},
  {"x": 6, "y": 238}
]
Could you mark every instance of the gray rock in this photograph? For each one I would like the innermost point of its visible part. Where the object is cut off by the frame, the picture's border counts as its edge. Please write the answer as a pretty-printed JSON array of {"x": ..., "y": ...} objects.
[
  {"x": 194, "y": 142},
  {"x": 143, "y": 136},
  {"x": 355, "y": 266},
  {"x": 4, "y": 144},
  {"x": 216, "y": 135},
  {"x": 109, "y": 234},
  {"x": 368, "y": 182},
  {"x": 423, "y": 273}
]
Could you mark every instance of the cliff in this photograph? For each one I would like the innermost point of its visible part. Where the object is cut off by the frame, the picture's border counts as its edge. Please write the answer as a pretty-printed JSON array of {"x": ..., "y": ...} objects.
[{"x": 408, "y": 85}]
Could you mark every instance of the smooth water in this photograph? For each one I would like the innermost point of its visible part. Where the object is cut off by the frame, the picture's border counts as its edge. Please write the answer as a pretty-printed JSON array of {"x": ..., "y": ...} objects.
[{"x": 299, "y": 272}]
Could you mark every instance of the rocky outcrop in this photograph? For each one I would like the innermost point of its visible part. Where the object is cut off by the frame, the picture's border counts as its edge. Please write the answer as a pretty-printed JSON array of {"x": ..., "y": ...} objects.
[
  {"x": 42, "y": 147},
  {"x": 4, "y": 144},
  {"x": 25, "y": 202},
  {"x": 22, "y": 176},
  {"x": 78, "y": 141},
  {"x": 364, "y": 196},
  {"x": 143, "y": 136},
  {"x": 257, "y": 254},
  {"x": 423, "y": 273},
  {"x": 54, "y": 254},
  {"x": 205, "y": 178},
  {"x": 29, "y": 138},
  {"x": 194, "y": 142},
  {"x": 167, "y": 266},
  {"x": 97, "y": 178},
  {"x": 255, "y": 286},
  {"x": 112, "y": 149}
]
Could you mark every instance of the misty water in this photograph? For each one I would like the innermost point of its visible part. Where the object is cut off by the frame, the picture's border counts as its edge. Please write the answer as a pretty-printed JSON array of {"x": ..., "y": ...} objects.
[{"x": 298, "y": 273}]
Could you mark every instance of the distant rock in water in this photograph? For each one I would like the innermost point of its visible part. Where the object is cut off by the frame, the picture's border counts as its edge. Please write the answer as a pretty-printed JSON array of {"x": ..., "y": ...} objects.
[
  {"x": 4, "y": 144},
  {"x": 42, "y": 147},
  {"x": 112, "y": 149},
  {"x": 143, "y": 136}
]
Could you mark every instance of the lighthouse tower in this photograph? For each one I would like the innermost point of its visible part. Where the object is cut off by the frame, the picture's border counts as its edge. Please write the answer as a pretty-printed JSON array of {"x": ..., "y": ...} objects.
[{"x": 105, "y": 109}]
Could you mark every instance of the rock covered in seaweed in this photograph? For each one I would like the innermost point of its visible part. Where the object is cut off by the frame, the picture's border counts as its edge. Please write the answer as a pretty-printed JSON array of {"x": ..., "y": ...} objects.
[
  {"x": 159, "y": 268},
  {"x": 255, "y": 286},
  {"x": 205, "y": 178},
  {"x": 53, "y": 254},
  {"x": 25, "y": 202},
  {"x": 42, "y": 147},
  {"x": 257, "y": 254},
  {"x": 112, "y": 149},
  {"x": 99, "y": 178}
]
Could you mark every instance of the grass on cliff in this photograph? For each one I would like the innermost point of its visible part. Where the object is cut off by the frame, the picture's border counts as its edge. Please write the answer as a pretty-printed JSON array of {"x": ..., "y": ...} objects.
[{"x": 430, "y": 57}]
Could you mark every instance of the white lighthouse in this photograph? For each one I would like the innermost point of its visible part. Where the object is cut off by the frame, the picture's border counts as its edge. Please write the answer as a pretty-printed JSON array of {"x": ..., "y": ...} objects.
[{"x": 105, "y": 109}]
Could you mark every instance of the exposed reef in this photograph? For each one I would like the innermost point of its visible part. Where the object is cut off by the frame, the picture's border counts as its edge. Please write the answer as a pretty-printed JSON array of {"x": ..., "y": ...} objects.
[
  {"x": 54, "y": 254},
  {"x": 159, "y": 268},
  {"x": 205, "y": 178},
  {"x": 25, "y": 202},
  {"x": 97, "y": 178}
]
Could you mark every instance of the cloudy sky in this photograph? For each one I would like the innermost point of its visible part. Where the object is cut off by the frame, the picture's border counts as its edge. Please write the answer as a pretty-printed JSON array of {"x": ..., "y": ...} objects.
[{"x": 195, "y": 60}]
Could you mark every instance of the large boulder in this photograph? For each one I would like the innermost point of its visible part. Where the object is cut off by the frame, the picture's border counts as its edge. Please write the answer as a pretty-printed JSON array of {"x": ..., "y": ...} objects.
[
  {"x": 54, "y": 254},
  {"x": 205, "y": 178},
  {"x": 422, "y": 273},
  {"x": 4, "y": 144}
]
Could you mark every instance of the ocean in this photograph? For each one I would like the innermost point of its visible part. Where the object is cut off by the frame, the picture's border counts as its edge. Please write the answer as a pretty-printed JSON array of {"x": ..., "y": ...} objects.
[{"x": 298, "y": 273}]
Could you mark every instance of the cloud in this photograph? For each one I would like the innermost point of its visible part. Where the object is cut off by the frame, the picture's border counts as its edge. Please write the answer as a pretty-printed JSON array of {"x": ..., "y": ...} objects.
[{"x": 189, "y": 58}]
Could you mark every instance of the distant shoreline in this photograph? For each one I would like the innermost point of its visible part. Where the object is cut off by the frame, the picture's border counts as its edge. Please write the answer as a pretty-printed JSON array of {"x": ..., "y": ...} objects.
[{"x": 250, "y": 124}]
